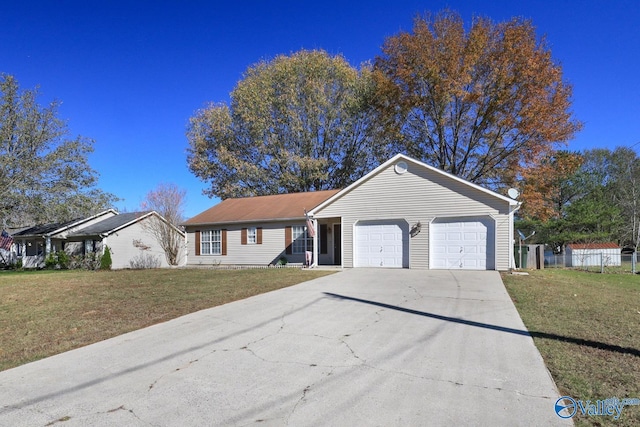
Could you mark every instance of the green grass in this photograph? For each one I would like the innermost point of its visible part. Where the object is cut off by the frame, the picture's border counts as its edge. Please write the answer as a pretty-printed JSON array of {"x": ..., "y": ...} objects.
[
  {"x": 48, "y": 312},
  {"x": 587, "y": 328}
]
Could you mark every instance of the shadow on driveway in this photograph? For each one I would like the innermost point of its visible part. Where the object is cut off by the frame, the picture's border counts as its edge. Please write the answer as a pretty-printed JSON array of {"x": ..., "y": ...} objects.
[{"x": 535, "y": 334}]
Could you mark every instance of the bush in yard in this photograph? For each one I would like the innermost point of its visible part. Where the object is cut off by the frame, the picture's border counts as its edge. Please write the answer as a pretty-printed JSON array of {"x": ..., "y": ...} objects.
[
  {"x": 143, "y": 261},
  {"x": 105, "y": 260},
  {"x": 91, "y": 261},
  {"x": 51, "y": 261},
  {"x": 75, "y": 262},
  {"x": 57, "y": 260},
  {"x": 63, "y": 260},
  {"x": 87, "y": 262}
]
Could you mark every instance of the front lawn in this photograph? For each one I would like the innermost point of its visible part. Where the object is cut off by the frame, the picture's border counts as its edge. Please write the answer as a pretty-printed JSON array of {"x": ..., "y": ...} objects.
[
  {"x": 46, "y": 313},
  {"x": 587, "y": 328}
]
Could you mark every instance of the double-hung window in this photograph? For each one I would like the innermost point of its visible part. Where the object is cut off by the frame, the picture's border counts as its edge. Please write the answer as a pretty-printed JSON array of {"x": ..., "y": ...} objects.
[
  {"x": 211, "y": 242},
  {"x": 301, "y": 240},
  {"x": 252, "y": 235}
]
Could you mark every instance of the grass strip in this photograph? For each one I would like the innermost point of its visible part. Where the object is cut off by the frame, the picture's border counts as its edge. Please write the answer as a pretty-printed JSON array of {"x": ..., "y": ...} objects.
[{"x": 587, "y": 328}]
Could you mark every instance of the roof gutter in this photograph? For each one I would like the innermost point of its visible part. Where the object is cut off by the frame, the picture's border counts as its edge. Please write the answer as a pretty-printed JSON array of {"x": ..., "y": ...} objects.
[{"x": 246, "y": 221}]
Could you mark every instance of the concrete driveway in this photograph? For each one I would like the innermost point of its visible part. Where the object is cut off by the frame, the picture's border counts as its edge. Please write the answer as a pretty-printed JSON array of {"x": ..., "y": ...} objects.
[{"x": 361, "y": 347}]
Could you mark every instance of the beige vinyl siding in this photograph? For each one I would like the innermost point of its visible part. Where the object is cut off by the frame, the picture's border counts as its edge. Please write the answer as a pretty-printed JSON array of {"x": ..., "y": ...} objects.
[
  {"x": 269, "y": 252},
  {"x": 418, "y": 195},
  {"x": 123, "y": 251},
  {"x": 504, "y": 242}
]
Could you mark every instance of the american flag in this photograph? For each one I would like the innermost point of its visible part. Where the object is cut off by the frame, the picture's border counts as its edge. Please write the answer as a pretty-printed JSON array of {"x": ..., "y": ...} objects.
[
  {"x": 5, "y": 240},
  {"x": 311, "y": 232}
]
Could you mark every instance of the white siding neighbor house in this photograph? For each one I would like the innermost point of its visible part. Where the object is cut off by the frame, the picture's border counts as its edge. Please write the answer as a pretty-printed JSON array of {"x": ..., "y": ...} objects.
[
  {"x": 127, "y": 235},
  {"x": 403, "y": 214}
]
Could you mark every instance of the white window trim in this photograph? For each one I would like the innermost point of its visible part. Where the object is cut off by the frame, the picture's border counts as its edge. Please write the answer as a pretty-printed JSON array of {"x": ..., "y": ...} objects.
[
  {"x": 300, "y": 234},
  {"x": 215, "y": 236},
  {"x": 252, "y": 235}
]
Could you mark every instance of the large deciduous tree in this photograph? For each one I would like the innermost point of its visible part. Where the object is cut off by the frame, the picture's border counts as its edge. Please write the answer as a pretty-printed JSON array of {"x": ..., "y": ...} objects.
[
  {"x": 599, "y": 202},
  {"x": 618, "y": 173},
  {"x": 44, "y": 175},
  {"x": 480, "y": 103},
  {"x": 549, "y": 187},
  {"x": 296, "y": 123}
]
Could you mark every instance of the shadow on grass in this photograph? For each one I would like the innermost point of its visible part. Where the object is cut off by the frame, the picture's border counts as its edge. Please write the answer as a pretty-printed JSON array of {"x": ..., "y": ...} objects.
[{"x": 535, "y": 334}]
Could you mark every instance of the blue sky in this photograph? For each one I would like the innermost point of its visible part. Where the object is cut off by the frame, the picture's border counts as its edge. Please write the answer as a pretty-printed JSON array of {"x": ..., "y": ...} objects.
[{"x": 129, "y": 74}]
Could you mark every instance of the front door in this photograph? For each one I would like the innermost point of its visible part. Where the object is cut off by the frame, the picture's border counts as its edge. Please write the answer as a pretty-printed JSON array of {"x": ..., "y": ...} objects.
[{"x": 337, "y": 244}]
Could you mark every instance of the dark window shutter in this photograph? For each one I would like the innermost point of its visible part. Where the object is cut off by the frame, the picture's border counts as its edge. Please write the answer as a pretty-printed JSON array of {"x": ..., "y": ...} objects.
[
  {"x": 197, "y": 242},
  {"x": 323, "y": 238},
  {"x": 287, "y": 240},
  {"x": 224, "y": 242},
  {"x": 243, "y": 236},
  {"x": 259, "y": 235}
]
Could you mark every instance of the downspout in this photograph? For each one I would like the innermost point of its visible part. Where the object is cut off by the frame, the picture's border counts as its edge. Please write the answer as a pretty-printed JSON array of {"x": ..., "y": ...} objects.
[{"x": 512, "y": 260}]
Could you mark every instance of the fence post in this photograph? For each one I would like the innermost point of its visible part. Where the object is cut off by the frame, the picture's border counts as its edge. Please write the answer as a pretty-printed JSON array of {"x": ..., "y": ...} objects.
[
  {"x": 633, "y": 262},
  {"x": 601, "y": 262}
]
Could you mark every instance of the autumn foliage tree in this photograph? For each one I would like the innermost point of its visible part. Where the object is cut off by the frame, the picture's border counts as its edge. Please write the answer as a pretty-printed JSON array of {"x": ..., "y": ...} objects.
[
  {"x": 598, "y": 202},
  {"x": 296, "y": 123},
  {"x": 480, "y": 104},
  {"x": 549, "y": 187}
]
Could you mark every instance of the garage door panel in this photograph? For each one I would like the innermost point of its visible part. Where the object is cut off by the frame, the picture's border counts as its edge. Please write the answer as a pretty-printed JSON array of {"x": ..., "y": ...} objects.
[
  {"x": 382, "y": 244},
  {"x": 467, "y": 243}
]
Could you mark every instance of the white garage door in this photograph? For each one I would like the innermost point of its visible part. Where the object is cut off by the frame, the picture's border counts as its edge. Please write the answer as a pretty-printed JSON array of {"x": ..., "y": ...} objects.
[
  {"x": 381, "y": 244},
  {"x": 467, "y": 244}
]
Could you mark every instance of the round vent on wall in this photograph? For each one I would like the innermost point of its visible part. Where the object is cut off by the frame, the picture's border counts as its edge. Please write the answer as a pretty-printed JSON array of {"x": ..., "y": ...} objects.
[{"x": 401, "y": 167}]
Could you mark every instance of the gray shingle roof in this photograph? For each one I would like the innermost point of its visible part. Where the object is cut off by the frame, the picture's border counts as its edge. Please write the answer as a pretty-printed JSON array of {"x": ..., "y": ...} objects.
[
  {"x": 109, "y": 224},
  {"x": 39, "y": 230}
]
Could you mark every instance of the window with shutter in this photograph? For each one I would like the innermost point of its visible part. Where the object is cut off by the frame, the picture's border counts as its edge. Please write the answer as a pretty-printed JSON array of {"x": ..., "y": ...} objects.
[
  {"x": 287, "y": 240},
  {"x": 224, "y": 242}
]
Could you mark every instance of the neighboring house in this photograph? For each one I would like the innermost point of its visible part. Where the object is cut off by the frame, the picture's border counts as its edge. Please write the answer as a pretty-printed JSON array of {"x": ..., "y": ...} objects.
[
  {"x": 403, "y": 214},
  {"x": 127, "y": 235},
  {"x": 593, "y": 254},
  {"x": 33, "y": 244}
]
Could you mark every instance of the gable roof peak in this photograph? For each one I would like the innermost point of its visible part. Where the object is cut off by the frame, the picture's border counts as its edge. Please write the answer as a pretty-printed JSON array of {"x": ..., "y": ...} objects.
[{"x": 404, "y": 157}]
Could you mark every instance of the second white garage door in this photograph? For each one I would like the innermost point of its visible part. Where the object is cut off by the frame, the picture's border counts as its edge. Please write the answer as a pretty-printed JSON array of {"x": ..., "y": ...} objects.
[
  {"x": 382, "y": 244},
  {"x": 467, "y": 244}
]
